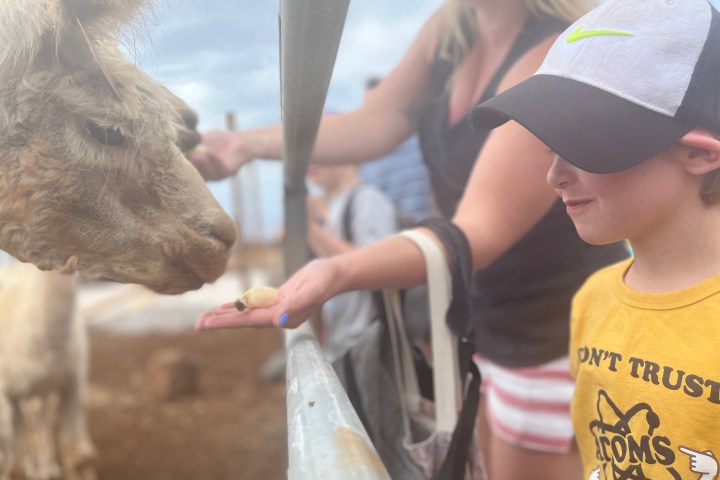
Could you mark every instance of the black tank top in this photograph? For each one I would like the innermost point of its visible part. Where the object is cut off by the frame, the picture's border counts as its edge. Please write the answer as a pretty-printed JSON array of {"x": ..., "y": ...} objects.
[{"x": 522, "y": 300}]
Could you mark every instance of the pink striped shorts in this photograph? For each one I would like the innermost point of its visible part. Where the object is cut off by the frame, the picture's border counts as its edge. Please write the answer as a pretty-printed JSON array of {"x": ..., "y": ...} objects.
[{"x": 529, "y": 407}]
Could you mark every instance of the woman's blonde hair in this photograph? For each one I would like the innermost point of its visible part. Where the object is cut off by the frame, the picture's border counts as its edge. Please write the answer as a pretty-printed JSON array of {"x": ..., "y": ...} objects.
[{"x": 460, "y": 28}]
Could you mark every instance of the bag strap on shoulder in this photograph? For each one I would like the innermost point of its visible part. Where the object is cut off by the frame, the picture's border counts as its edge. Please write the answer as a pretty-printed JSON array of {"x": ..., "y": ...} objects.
[
  {"x": 348, "y": 216},
  {"x": 446, "y": 353},
  {"x": 444, "y": 343}
]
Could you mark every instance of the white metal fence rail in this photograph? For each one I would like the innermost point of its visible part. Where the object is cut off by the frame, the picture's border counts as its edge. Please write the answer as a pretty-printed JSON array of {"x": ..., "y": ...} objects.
[{"x": 326, "y": 440}]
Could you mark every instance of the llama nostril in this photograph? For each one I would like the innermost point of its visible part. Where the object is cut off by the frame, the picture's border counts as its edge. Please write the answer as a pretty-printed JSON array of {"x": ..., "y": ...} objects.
[
  {"x": 223, "y": 228},
  {"x": 190, "y": 119}
]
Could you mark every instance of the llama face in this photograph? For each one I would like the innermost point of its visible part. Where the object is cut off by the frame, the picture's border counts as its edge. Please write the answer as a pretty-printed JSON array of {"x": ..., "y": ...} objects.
[{"x": 91, "y": 177}]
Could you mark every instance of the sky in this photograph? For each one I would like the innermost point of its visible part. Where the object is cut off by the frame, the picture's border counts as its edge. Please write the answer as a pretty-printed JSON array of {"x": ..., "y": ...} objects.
[{"x": 222, "y": 56}]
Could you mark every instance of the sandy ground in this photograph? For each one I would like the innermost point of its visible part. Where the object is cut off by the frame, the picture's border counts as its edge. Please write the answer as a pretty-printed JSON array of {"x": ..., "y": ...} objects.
[{"x": 233, "y": 429}]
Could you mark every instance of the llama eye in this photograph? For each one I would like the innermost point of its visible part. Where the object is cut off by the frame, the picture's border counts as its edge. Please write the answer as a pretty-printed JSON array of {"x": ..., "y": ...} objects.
[{"x": 105, "y": 135}]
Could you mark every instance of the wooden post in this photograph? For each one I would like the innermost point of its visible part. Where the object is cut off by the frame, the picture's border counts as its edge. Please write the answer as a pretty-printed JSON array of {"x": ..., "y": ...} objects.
[
  {"x": 238, "y": 212},
  {"x": 255, "y": 216}
]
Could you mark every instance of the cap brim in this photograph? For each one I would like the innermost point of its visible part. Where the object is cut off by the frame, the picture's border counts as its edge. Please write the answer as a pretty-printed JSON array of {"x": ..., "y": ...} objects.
[{"x": 594, "y": 130}]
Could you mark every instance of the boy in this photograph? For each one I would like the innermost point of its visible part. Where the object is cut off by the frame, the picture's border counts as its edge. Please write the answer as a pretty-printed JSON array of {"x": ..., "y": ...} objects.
[
  {"x": 628, "y": 97},
  {"x": 351, "y": 214}
]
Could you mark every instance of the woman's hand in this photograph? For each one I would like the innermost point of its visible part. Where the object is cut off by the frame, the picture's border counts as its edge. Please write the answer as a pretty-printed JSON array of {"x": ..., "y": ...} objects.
[
  {"x": 221, "y": 154},
  {"x": 301, "y": 296}
]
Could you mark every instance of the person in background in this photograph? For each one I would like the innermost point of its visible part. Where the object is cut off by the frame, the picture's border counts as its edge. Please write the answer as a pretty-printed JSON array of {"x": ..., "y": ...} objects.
[
  {"x": 629, "y": 98},
  {"x": 350, "y": 214},
  {"x": 498, "y": 218},
  {"x": 401, "y": 176}
]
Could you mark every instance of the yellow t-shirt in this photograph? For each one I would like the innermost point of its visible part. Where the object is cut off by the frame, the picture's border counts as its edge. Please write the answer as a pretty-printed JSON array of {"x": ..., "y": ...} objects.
[{"x": 647, "y": 367}]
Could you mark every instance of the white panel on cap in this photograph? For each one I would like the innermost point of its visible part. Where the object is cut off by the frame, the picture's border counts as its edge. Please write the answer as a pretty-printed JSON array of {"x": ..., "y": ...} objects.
[{"x": 652, "y": 68}]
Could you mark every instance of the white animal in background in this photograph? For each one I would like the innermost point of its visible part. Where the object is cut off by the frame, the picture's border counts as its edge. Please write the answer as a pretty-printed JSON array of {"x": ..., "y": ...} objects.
[
  {"x": 43, "y": 373},
  {"x": 91, "y": 179}
]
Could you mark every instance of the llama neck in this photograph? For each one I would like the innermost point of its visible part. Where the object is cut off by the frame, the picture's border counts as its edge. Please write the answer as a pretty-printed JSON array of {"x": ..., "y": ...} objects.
[
  {"x": 57, "y": 305},
  {"x": 18, "y": 183},
  {"x": 42, "y": 315}
]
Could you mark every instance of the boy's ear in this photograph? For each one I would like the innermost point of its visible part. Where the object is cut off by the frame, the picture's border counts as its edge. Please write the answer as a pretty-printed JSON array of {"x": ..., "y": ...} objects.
[{"x": 702, "y": 154}]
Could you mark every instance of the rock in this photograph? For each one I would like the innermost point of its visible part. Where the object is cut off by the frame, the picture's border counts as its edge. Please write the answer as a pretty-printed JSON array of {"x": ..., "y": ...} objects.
[{"x": 170, "y": 374}]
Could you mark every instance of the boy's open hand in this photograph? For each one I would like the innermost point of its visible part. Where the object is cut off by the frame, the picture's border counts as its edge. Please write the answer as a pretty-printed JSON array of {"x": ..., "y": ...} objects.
[{"x": 301, "y": 296}]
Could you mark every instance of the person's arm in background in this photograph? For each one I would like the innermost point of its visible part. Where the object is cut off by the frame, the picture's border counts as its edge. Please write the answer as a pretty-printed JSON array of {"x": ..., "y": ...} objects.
[
  {"x": 506, "y": 195},
  {"x": 324, "y": 243},
  {"x": 321, "y": 240},
  {"x": 372, "y": 219},
  {"x": 386, "y": 118}
]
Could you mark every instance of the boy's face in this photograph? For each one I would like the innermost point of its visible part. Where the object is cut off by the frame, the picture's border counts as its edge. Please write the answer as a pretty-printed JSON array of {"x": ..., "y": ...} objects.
[{"x": 630, "y": 204}]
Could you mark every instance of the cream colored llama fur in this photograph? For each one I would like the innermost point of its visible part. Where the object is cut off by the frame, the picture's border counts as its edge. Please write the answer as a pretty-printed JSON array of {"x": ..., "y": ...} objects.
[
  {"x": 91, "y": 178},
  {"x": 43, "y": 358}
]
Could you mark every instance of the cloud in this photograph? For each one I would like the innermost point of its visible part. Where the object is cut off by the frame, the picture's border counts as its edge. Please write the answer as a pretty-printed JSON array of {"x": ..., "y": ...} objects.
[{"x": 222, "y": 56}]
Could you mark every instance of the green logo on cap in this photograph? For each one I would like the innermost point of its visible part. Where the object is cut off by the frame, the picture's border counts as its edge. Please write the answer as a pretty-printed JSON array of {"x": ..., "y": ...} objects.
[{"x": 580, "y": 34}]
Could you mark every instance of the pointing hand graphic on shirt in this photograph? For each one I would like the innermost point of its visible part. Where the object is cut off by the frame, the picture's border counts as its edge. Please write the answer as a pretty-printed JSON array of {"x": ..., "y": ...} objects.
[
  {"x": 702, "y": 462},
  {"x": 595, "y": 474}
]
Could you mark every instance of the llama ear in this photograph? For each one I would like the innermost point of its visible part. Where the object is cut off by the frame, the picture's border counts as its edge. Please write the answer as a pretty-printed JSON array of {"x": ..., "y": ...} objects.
[
  {"x": 108, "y": 12},
  {"x": 84, "y": 10},
  {"x": 33, "y": 32},
  {"x": 98, "y": 61},
  {"x": 74, "y": 50}
]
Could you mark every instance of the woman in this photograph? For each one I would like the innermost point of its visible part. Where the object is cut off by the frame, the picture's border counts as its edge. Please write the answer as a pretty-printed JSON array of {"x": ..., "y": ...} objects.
[{"x": 527, "y": 256}]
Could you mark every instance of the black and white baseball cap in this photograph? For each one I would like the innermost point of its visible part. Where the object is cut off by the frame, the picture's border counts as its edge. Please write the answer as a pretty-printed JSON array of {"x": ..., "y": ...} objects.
[{"x": 621, "y": 84}]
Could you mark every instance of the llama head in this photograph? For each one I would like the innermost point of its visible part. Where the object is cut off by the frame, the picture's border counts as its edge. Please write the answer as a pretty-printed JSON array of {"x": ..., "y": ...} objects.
[{"x": 91, "y": 176}]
